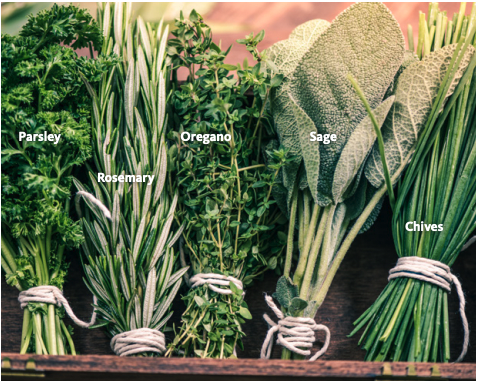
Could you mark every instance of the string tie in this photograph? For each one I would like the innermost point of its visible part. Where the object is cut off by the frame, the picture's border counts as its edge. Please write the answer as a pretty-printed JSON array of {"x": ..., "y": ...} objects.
[
  {"x": 53, "y": 295},
  {"x": 294, "y": 333},
  {"x": 214, "y": 280},
  {"x": 138, "y": 341},
  {"x": 437, "y": 273}
]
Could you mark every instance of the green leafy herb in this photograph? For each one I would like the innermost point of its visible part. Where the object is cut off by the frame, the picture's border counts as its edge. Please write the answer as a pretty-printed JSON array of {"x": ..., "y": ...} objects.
[
  {"x": 131, "y": 265},
  {"x": 225, "y": 187},
  {"x": 409, "y": 321},
  {"x": 43, "y": 92},
  {"x": 333, "y": 196}
]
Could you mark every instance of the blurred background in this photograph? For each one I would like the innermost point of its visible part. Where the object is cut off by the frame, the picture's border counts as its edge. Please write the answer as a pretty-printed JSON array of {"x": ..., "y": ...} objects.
[{"x": 231, "y": 21}]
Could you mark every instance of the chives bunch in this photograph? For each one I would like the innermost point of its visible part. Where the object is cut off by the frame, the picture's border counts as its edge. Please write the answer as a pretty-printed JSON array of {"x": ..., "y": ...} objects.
[
  {"x": 130, "y": 262},
  {"x": 409, "y": 320}
]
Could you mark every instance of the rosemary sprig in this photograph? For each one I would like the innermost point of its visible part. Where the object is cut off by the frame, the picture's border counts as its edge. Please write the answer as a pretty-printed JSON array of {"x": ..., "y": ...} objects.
[{"x": 130, "y": 263}]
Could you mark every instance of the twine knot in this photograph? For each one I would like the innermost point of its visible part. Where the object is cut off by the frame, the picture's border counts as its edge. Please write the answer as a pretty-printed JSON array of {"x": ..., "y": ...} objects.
[
  {"x": 294, "y": 333},
  {"x": 53, "y": 295},
  {"x": 214, "y": 280},
  {"x": 138, "y": 341},
  {"x": 437, "y": 273}
]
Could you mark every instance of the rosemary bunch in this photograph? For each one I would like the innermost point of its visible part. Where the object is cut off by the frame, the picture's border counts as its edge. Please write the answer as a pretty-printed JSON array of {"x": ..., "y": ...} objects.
[
  {"x": 130, "y": 263},
  {"x": 409, "y": 320},
  {"x": 225, "y": 187}
]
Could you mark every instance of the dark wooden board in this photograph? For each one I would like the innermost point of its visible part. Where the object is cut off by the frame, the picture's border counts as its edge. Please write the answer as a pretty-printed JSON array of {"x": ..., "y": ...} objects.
[
  {"x": 361, "y": 278},
  {"x": 117, "y": 368}
]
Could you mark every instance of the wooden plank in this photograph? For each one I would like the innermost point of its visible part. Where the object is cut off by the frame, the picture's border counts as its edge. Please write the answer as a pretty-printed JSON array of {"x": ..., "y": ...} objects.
[{"x": 169, "y": 368}]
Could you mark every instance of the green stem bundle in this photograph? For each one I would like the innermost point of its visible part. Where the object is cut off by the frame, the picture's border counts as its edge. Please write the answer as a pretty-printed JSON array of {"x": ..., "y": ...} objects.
[
  {"x": 43, "y": 92},
  {"x": 409, "y": 320},
  {"x": 225, "y": 184},
  {"x": 130, "y": 262}
]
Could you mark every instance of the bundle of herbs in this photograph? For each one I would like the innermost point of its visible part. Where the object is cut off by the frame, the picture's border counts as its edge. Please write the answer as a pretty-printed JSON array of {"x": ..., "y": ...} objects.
[
  {"x": 409, "y": 320},
  {"x": 334, "y": 189},
  {"x": 225, "y": 186},
  {"x": 45, "y": 135},
  {"x": 130, "y": 263}
]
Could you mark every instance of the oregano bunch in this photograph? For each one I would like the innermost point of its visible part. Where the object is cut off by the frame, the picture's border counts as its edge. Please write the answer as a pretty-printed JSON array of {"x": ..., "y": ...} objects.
[{"x": 232, "y": 225}]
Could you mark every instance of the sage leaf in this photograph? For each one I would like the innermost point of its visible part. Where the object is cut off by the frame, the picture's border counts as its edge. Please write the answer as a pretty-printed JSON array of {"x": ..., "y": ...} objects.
[
  {"x": 372, "y": 51},
  {"x": 297, "y": 305},
  {"x": 415, "y": 94},
  {"x": 285, "y": 291},
  {"x": 356, "y": 150},
  {"x": 285, "y": 55}
]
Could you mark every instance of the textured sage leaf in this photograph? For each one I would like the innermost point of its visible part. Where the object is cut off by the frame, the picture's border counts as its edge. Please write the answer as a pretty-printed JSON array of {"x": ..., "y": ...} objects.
[
  {"x": 285, "y": 291},
  {"x": 376, "y": 210},
  {"x": 337, "y": 223},
  {"x": 356, "y": 202},
  {"x": 285, "y": 55},
  {"x": 311, "y": 156},
  {"x": 356, "y": 150},
  {"x": 297, "y": 305},
  {"x": 309, "y": 31},
  {"x": 408, "y": 59},
  {"x": 415, "y": 94},
  {"x": 372, "y": 51}
]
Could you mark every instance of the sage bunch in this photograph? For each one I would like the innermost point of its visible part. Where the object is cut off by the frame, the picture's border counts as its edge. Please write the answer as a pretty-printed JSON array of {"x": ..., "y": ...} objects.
[
  {"x": 409, "y": 320},
  {"x": 232, "y": 225},
  {"x": 130, "y": 263},
  {"x": 333, "y": 192}
]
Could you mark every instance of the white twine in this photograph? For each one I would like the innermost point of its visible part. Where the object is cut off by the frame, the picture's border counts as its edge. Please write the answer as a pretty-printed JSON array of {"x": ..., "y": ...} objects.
[
  {"x": 294, "y": 333},
  {"x": 214, "y": 280},
  {"x": 138, "y": 341},
  {"x": 437, "y": 273},
  {"x": 52, "y": 295},
  {"x": 94, "y": 200}
]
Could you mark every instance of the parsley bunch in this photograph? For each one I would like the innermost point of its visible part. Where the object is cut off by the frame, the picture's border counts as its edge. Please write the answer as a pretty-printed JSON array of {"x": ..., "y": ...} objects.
[
  {"x": 43, "y": 91},
  {"x": 231, "y": 220}
]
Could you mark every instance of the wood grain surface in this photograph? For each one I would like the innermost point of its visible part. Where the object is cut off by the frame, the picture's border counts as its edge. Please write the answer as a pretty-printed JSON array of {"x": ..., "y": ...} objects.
[
  {"x": 115, "y": 368},
  {"x": 361, "y": 278}
]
